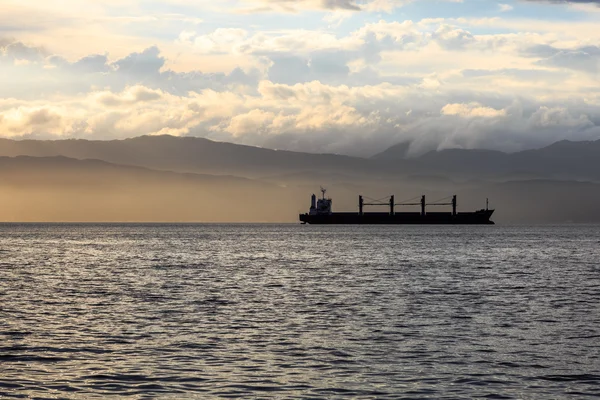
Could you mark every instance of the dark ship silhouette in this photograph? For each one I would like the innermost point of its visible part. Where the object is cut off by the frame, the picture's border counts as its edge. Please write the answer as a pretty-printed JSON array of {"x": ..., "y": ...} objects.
[{"x": 320, "y": 213}]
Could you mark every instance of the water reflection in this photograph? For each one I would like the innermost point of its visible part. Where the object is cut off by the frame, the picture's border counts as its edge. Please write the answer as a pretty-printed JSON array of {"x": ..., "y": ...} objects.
[{"x": 297, "y": 311}]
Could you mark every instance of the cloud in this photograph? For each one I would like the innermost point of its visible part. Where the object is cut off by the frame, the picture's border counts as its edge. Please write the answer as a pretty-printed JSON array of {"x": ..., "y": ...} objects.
[
  {"x": 471, "y": 110},
  {"x": 439, "y": 83},
  {"x": 585, "y": 58},
  {"x": 566, "y": 1},
  {"x": 294, "y": 6},
  {"x": 14, "y": 50},
  {"x": 584, "y": 6},
  {"x": 53, "y": 74},
  {"x": 131, "y": 95},
  {"x": 310, "y": 117}
]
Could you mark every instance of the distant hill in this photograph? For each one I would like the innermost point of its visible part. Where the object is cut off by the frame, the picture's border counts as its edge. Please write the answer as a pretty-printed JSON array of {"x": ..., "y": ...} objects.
[
  {"x": 562, "y": 160},
  {"x": 66, "y": 189},
  {"x": 186, "y": 154},
  {"x": 45, "y": 171},
  {"x": 394, "y": 153},
  {"x": 463, "y": 163}
]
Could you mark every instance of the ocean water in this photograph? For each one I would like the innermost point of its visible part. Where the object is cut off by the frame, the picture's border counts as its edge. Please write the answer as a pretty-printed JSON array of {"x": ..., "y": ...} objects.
[{"x": 299, "y": 311}]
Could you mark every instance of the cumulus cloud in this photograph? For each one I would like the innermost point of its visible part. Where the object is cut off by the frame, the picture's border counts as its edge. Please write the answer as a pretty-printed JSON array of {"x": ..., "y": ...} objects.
[
  {"x": 566, "y": 1},
  {"x": 53, "y": 74},
  {"x": 471, "y": 110},
  {"x": 297, "y": 5},
  {"x": 585, "y": 58},
  {"x": 294, "y": 6},
  {"x": 586, "y": 6},
  {"x": 308, "y": 117},
  {"x": 438, "y": 83}
]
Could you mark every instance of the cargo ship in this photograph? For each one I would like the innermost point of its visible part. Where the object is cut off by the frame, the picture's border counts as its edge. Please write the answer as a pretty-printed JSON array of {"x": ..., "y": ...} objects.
[{"x": 321, "y": 213}]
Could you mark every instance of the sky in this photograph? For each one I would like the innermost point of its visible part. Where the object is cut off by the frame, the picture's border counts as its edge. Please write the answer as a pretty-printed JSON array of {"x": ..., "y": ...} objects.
[{"x": 328, "y": 76}]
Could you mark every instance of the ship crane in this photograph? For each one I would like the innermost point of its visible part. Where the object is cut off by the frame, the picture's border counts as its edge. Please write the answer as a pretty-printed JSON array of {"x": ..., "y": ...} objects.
[
  {"x": 391, "y": 204},
  {"x": 421, "y": 203},
  {"x": 452, "y": 203},
  {"x": 379, "y": 202},
  {"x": 424, "y": 204}
]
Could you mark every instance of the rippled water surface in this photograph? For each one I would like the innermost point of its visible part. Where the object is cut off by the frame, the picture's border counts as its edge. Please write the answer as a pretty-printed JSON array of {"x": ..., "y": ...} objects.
[{"x": 292, "y": 311}]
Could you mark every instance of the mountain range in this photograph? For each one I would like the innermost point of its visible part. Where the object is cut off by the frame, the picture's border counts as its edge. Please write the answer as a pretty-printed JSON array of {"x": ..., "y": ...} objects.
[
  {"x": 561, "y": 160},
  {"x": 165, "y": 178}
]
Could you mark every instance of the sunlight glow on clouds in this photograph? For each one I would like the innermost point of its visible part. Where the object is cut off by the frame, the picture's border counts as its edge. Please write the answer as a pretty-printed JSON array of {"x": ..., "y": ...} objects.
[{"x": 314, "y": 75}]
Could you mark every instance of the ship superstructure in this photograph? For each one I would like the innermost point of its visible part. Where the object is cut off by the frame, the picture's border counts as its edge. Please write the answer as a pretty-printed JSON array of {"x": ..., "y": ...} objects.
[
  {"x": 321, "y": 206},
  {"x": 321, "y": 213}
]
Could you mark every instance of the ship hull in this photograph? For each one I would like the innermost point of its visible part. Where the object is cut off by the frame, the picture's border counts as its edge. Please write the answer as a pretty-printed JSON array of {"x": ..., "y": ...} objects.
[{"x": 481, "y": 217}]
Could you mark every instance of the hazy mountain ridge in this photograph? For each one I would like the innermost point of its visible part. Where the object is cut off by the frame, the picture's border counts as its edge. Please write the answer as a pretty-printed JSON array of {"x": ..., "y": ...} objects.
[
  {"x": 396, "y": 152},
  {"x": 64, "y": 189},
  {"x": 561, "y": 160},
  {"x": 67, "y": 189},
  {"x": 185, "y": 154},
  {"x": 166, "y": 179},
  {"x": 71, "y": 170}
]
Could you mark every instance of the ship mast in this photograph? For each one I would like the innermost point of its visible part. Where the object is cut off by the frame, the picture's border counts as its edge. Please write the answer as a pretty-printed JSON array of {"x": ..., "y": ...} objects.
[{"x": 380, "y": 202}]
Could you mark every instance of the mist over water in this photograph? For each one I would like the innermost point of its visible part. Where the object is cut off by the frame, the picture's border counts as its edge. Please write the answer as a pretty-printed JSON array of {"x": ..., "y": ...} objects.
[{"x": 292, "y": 311}]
